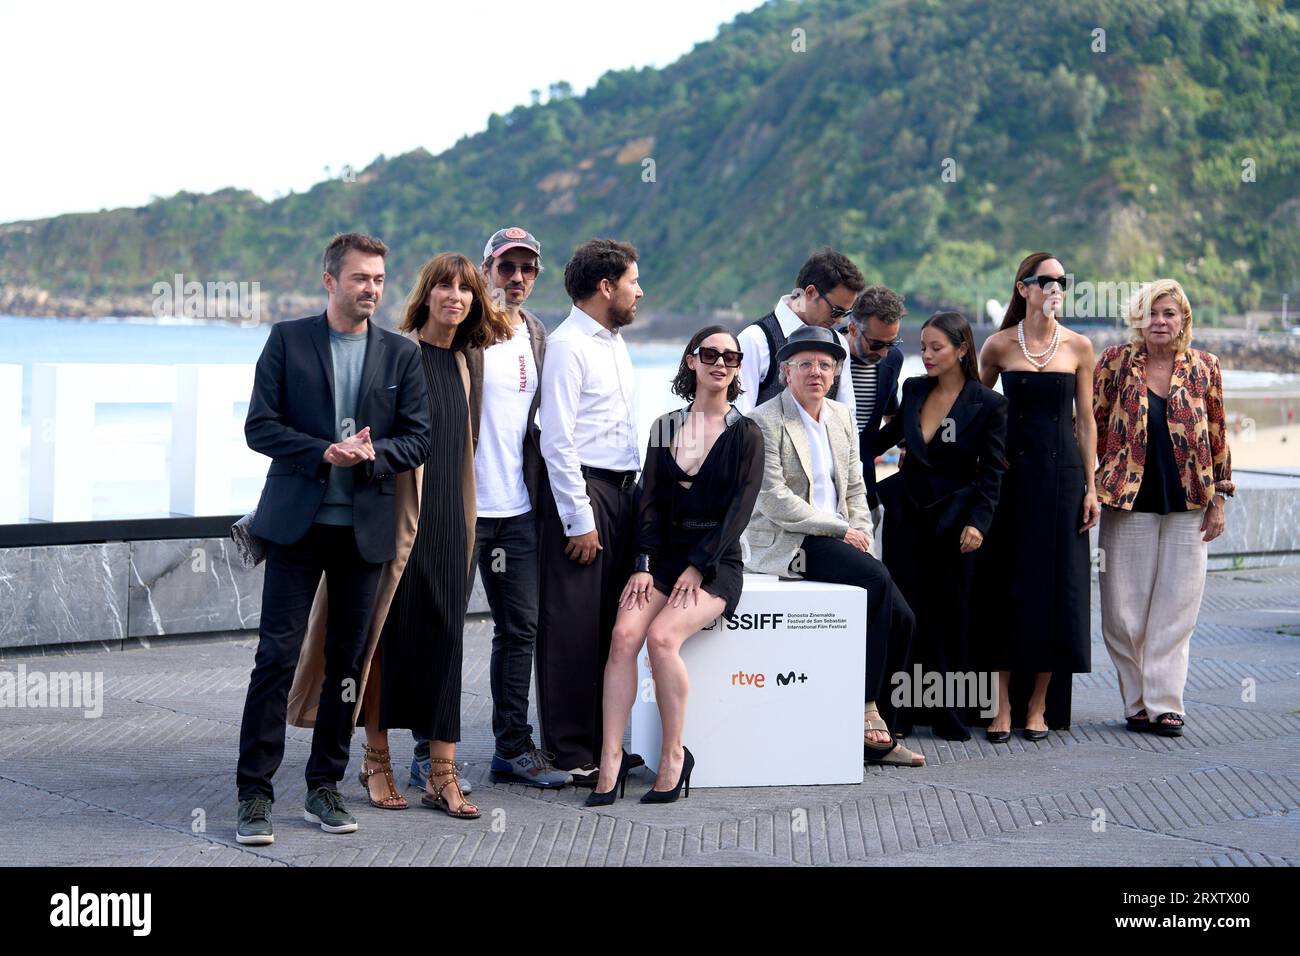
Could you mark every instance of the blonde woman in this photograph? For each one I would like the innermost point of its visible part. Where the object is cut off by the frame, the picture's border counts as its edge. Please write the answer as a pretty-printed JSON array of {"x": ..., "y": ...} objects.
[{"x": 1164, "y": 471}]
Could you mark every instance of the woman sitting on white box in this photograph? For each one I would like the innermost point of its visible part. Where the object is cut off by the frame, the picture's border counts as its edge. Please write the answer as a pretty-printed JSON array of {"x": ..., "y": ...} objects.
[{"x": 703, "y": 469}]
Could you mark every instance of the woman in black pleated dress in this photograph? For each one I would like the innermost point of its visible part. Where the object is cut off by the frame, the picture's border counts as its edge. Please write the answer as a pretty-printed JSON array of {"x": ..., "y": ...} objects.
[
  {"x": 421, "y": 645},
  {"x": 702, "y": 474},
  {"x": 1035, "y": 570}
]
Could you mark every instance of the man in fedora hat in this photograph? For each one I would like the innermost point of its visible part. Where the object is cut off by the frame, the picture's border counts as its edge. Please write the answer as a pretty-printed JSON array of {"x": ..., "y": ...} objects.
[{"x": 812, "y": 521}]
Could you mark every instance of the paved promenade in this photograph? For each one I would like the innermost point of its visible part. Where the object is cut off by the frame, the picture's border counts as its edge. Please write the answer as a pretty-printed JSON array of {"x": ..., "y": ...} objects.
[{"x": 151, "y": 782}]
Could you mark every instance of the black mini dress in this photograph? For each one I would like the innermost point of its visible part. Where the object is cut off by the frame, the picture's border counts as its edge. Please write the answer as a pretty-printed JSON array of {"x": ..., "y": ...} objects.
[{"x": 700, "y": 525}]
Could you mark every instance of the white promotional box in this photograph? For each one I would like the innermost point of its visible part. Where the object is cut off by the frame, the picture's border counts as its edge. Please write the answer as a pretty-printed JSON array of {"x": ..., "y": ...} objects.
[{"x": 775, "y": 693}]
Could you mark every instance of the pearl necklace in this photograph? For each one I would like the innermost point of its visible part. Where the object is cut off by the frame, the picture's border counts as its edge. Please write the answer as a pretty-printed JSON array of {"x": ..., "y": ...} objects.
[{"x": 1047, "y": 354}]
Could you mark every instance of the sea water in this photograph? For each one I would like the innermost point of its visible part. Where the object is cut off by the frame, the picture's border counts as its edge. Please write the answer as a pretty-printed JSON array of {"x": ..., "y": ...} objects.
[{"x": 132, "y": 440}]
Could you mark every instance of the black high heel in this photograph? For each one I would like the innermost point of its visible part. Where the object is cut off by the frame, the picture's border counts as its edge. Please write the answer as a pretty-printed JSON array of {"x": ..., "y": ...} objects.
[
  {"x": 684, "y": 780},
  {"x": 598, "y": 799}
]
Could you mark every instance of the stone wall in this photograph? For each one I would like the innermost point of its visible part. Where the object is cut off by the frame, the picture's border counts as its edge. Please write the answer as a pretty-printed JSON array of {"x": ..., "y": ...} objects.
[{"x": 70, "y": 594}]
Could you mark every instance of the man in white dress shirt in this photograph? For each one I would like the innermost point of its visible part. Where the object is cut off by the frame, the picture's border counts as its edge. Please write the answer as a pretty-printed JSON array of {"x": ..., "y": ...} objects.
[
  {"x": 823, "y": 296},
  {"x": 592, "y": 454}
]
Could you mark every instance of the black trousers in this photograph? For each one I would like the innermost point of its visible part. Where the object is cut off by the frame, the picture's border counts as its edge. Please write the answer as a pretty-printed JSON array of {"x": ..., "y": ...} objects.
[
  {"x": 292, "y": 576},
  {"x": 505, "y": 550},
  {"x": 890, "y": 622},
  {"x": 576, "y": 610}
]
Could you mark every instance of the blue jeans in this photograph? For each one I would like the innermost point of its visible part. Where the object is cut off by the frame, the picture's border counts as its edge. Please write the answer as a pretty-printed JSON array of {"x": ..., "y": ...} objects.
[{"x": 505, "y": 551}]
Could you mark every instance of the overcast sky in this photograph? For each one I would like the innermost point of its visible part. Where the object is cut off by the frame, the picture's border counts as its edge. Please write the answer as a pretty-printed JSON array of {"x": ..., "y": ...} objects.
[{"x": 111, "y": 103}]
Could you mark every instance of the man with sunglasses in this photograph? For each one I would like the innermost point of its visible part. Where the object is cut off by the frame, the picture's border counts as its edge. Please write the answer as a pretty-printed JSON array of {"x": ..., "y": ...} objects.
[
  {"x": 823, "y": 296},
  {"x": 875, "y": 361}
]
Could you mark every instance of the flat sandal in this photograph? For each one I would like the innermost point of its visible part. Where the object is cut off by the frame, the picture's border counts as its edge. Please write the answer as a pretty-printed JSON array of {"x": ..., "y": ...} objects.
[
  {"x": 1168, "y": 727},
  {"x": 1139, "y": 723},
  {"x": 893, "y": 754},
  {"x": 394, "y": 800},
  {"x": 437, "y": 801},
  {"x": 876, "y": 723}
]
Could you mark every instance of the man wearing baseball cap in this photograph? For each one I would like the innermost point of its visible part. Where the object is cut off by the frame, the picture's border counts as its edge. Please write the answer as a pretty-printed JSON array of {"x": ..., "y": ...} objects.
[
  {"x": 812, "y": 521},
  {"x": 509, "y": 478},
  {"x": 512, "y": 261}
]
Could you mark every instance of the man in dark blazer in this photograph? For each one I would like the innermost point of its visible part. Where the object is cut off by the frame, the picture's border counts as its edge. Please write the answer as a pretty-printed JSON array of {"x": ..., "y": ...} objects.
[
  {"x": 340, "y": 406},
  {"x": 875, "y": 363}
]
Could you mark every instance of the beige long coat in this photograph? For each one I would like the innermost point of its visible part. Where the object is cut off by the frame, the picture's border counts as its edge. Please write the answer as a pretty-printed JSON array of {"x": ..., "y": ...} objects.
[{"x": 304, "y": 695}]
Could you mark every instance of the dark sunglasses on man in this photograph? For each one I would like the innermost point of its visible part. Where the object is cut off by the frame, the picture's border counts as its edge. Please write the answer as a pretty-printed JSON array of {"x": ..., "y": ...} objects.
[
  {"x": 506, "y": 270},
  {"x": 836, "y": 311},
  {"x": 873, "y": 345},
  {"x": 1044, "y": 281},
  {"x": 710, "y": 356}
]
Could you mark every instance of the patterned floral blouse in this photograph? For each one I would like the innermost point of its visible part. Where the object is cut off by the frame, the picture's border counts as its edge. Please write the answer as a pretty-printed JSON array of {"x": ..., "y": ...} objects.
[{"x": 1196, "y": 425}]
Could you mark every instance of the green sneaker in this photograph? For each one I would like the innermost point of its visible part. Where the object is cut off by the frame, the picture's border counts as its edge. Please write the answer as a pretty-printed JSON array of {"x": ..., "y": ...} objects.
[
  {"x": 325, "y": 806},
  {"x": 255, "y": 822}
]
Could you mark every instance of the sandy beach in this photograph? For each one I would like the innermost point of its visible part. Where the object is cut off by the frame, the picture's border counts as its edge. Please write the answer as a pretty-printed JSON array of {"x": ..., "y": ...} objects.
[{"x": 1277, "y": 447}]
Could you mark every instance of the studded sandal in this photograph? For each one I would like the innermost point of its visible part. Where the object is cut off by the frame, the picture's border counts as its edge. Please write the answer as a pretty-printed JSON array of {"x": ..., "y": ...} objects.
[
  {"x": 394, "y": 800},
  {"x": 436, "y": 800}
]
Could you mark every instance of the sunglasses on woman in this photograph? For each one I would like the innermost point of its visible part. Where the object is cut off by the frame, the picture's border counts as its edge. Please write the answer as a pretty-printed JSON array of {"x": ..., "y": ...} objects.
[
  {"x": 710, "y": 356},
  {"x": 1044, "y": 281},
  {"x": 506, "y": 270}
]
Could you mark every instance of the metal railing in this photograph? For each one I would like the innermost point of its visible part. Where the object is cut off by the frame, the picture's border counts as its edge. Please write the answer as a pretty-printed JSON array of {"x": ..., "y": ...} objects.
[{"x": 206, "y": 450}]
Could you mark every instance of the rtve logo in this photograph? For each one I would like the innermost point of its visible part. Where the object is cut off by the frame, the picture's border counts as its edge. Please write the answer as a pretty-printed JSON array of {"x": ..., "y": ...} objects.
[
  {"x": 748, "y": 622},
  {"x": 741, "y": 679}
]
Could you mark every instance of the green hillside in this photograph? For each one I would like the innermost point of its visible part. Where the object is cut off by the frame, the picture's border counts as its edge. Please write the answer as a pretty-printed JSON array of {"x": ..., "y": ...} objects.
[{"x": 1128, "y": 162}]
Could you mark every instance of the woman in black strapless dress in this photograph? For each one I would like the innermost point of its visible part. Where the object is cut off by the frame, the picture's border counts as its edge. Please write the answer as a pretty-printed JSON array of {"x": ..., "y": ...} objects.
[
  {"x": 702, "y": 474},
  {"x": 1034, "y": 571}
]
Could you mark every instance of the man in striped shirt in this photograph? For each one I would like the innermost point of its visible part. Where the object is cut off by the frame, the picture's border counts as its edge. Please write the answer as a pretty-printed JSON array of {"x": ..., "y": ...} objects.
[{"x": 875, "y": 361}]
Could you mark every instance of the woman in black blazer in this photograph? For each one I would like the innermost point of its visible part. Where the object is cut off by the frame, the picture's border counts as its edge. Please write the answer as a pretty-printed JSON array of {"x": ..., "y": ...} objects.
[{"x": 938, "y": 508}]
